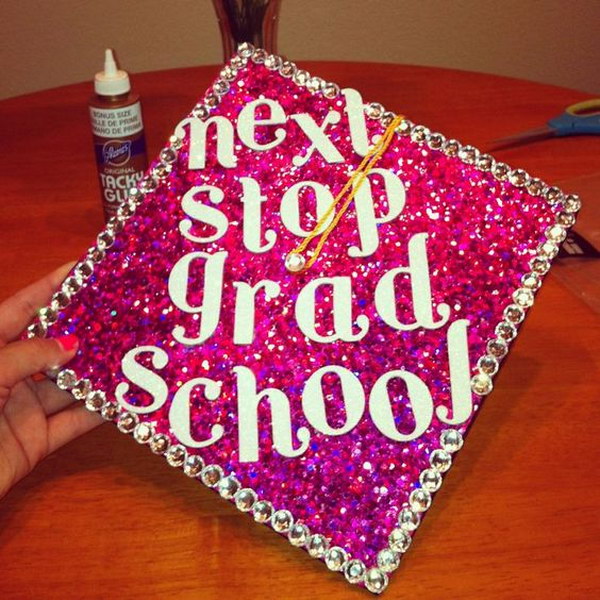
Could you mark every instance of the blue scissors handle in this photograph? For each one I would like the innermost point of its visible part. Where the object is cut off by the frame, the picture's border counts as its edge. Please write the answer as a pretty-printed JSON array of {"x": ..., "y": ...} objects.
[{"x": 582, "y": 118}]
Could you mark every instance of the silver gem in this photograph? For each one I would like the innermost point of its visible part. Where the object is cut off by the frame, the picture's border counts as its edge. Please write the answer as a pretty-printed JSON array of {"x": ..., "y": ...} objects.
[
  {"x": 451, "y": 440},
  {"x": 143, "y": 432},
  {"x": 535, "y": 186},
  {"x": 330, "y": 90},
  {"x": 211, "y": 475},
  {"x": 405, "y": 127},
  {"x": 440, "y": 460},
  {"x": 301, "y": 77},
  {"x": 161, "y": 171},
  {"x": 572, "y": 203},
  {"x": 114, "y": 225},
  {"x": 96, "y": 255},
  {"x": 95, "y": 400},
  {"x": 468, "y": 154},
  {"x": 481, "y": 384},
  {"x": 176, "y": 455},
  {"x": 399, "y": 540},
  {"x": 228, "y": 486},
  {"x": 168, "y": 155},
  {"x": 200, "y": 111},
  {"x": 387, "y": 118},
  {"x": 565, "y": 219},
  {"x": 81, "y": 389},
  {"x": 273, "y": 62},
  {"x": 282, "y": 520},
  {"x": 125, "y": 211},
  {"x": 514, "y": 313},
  {"x": 419, "y": 133},
  {"x": 485, "y": 162},
  {"x": 488, "y": 364},
  {"x": 435, "y": 140},
  {"x": 374, "y": 110},
  {"x": 451, "y": 147},
  {"x": 554, "y": 195},
  {"x": 221, "y": 87},
  {"x": 109, "y": 411},
  {"x": 135, "y": 194},
  {"x": 287, "y": 69},
  {"x": 430, "y": 480},
  {"x": 259, "y": 56},
  {"x": 313, "y": 85},
  {"x": 531, "y": 281},
  {"x": 506, "y": 330},
  {"x": 237, "y": 62},
  {"x": 84, "y": 269},
  {"x": 228, "y": 73},
  {"x": 61, "y": 299},
  {"x": 335, "y": 558},
  {"x": 193, "y": 465},
  {"x": 126, "y": 422},
  {"x": 262, "y": 511},
  {"x": 419, "y": 500},
  {"x": 147, "y": 184},
  {"x": 211, "y": 100},
  {"x": 105, "y": 240},
  {"x": 317, "y": 545},
  {"x": 245, "y": 50},
  {"x": 245, "y": 499},
  {"x": 408, "y": 519},
  {"x": 523, "y": 297},
  {"x": 518, "y": 177},
  {"x": 501, "y": 171},
  {"x": 37, "y": 329},
  {"x": 295, "y": 262},
  {"x": 47, "y": 315},
  {"x": 298, "y": 534},
  {"x": 355, "y": 570},
  {"x": 376, "y": 580},
  {"x": 66, "y": 379},
  {"x": 497, "y": 348},
  {"x": 159, "y": 443},
  {"x": 539, "y": 265},
  {"x": 72, "y": 285},
  {"x": 556, "y": 233},
  {"x": 388, "y": 560}
]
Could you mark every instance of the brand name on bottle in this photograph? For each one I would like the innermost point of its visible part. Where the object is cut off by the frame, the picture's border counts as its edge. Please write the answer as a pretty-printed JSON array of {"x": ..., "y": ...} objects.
[{"x": 116, "y": 152}]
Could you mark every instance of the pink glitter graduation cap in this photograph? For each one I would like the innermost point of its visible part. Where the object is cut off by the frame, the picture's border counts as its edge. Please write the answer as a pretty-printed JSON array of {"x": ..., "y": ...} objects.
[{"x": 327, "y": 403}]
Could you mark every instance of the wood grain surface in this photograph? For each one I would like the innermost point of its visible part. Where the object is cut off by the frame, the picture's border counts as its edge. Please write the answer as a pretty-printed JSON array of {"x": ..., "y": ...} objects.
[{"x": 518, "y": 515}]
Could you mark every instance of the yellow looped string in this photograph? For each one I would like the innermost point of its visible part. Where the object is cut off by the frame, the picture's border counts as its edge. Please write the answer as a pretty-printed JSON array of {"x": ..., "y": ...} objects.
[{"x": 354, "y": 182}]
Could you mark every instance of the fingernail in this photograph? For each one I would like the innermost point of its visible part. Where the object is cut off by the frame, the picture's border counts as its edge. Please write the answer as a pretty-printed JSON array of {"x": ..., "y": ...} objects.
[{"x": 68, "y": 342}]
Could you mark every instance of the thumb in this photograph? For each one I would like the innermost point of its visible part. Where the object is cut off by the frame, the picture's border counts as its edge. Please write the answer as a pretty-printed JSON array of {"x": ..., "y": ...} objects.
[{"x": 27, "y": 357}]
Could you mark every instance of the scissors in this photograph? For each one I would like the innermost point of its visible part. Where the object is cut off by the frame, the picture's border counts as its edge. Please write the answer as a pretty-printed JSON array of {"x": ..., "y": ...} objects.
[{"x": 582, "y": 118}]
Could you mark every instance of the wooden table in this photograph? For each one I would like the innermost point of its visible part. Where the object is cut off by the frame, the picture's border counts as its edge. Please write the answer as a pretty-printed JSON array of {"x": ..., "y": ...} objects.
[{"x": 518, "y": 516}]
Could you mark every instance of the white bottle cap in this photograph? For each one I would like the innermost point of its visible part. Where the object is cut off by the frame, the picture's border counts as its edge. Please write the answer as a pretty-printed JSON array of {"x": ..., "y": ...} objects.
[{"x": 111, "y": 81}]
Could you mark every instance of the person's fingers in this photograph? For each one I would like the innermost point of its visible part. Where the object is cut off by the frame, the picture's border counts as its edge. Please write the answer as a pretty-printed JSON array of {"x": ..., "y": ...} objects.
[
  {"x": 26, "y": 357},
  {"x": 51, "y": 398},
  {"x": 69, "y": 424},
  {"x": 17, "y": 311}
]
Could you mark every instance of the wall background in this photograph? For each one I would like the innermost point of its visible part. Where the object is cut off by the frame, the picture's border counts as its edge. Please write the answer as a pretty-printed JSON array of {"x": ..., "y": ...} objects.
[{"x": 50, "y": 43}]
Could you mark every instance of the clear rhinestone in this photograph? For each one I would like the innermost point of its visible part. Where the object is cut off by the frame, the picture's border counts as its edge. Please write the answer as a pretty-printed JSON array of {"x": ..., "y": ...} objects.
[
  {"x": 127, "y": 422},
  {"x": 95, "y": 400},
  {"x": 109, "y": 411},
  {"x": 301, "y": 77},
  {"x": 200, "y": 111},
  {"x": 408, "y": 519},
  {"x": 514, "y": 313},
  {"x": 84, "y": 269},
  {"x": 317, "y": 545},
  {"x": 161, "y": 171},
  {"x": 135, "y": 194},
  {"x": 539, "y": 265},
  {"x": 430, "y": 480},
  {"x": 419, "y": 500},
  {"x": 501, "y": 171},
  {"x": 497, "y": 348},
  {"x": 282, "y": 520},
  {"x": 336, "y": 558},
  {"x": 245, "y": 50},
  {"x": 355, "y": 570},
  {"x": 554, "y": 195},
  {"x": 485, "y": 163},
  {"x": 387, "y": 118},
  {"x": 211, "y": 100},
  {"x": 47, "y": 315},
  {"x": 313, "y": 85},
  {"x": 388, "y": 560},
  {"x": 211, "y": 475},
  {"x": 376, "y": 580},
  {"x": 193, "y": 465},
  {"x": 451, "y": 440},
  {"x": 523, "y": 297},
  {"x": 435, "y": 140},
  {"x": 176, "y": 455},
  {"x": 228, "y": 74},
  {"x": 125, "y": 211},
  {"x": 159, "y": 443},
  {"x": 535, "y": 186},
  {"x": 556, "y": 233},
  {"x": 228, "y": 486},
  {"x": 295, "y": 262},
  {"x": 468, "y": 154},
  {"x": 330, "y": 90},
  {"x": 105, "y": 240},
  {"x": 399, "y": 540},
  {"x": 259, "y": 56},
  {"x": 237, "y": 62},
  {"x": 288, "y": 69},
  {"x": 147, "y": 184},
  {"x": 440, "y": 460},
  {"x": 481, "y": 384},
  {"x": 96, "y": 255},
  {"x": 506, "y": 330},
  {"x": 37, "y": 329},
  {"x": 518, "y": 177},
  {"x": 221, "y": 87},
  {"x": 405, "y": 127},
  {"x": 143, "y": 432},
  {"x": 114, "y": 225},
  {"x": 245, "y": 499},
  {"x": 273, "y": 62},
  {"x": 488, "y": 364},
  {"x": 262, "y": 511},
  {"x": 572, "y": 203},
  {"x": 565, "y": 219},
  {"x": 451, "y": 147},
  {"x": 66, "y": 379},
  {"x": 81, "y": 389},
  {"x": 72, "y": 285},
  {"x": 168, "y": 155},
  {"x": 374, "y": 110},
  {"x": 419, "y": 133},
  {"x": 298, "y": 534},
  {"x": 61, "y": 299}
]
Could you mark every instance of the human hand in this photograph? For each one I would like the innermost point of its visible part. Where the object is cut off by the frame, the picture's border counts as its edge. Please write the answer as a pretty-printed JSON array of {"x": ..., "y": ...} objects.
[{"x": 36, "y": 417}]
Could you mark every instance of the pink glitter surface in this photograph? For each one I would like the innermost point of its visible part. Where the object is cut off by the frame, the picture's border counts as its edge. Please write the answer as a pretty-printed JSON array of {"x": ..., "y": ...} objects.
[{"x": 482, "y": 233}]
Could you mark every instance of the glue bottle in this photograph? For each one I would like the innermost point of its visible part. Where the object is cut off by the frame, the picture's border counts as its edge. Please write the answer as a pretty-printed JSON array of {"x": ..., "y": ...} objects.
[{"x": 118, "y": 130}]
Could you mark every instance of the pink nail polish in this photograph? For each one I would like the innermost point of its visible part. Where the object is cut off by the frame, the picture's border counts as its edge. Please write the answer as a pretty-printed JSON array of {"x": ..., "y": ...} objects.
[{"x": 68, "y": 342}]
